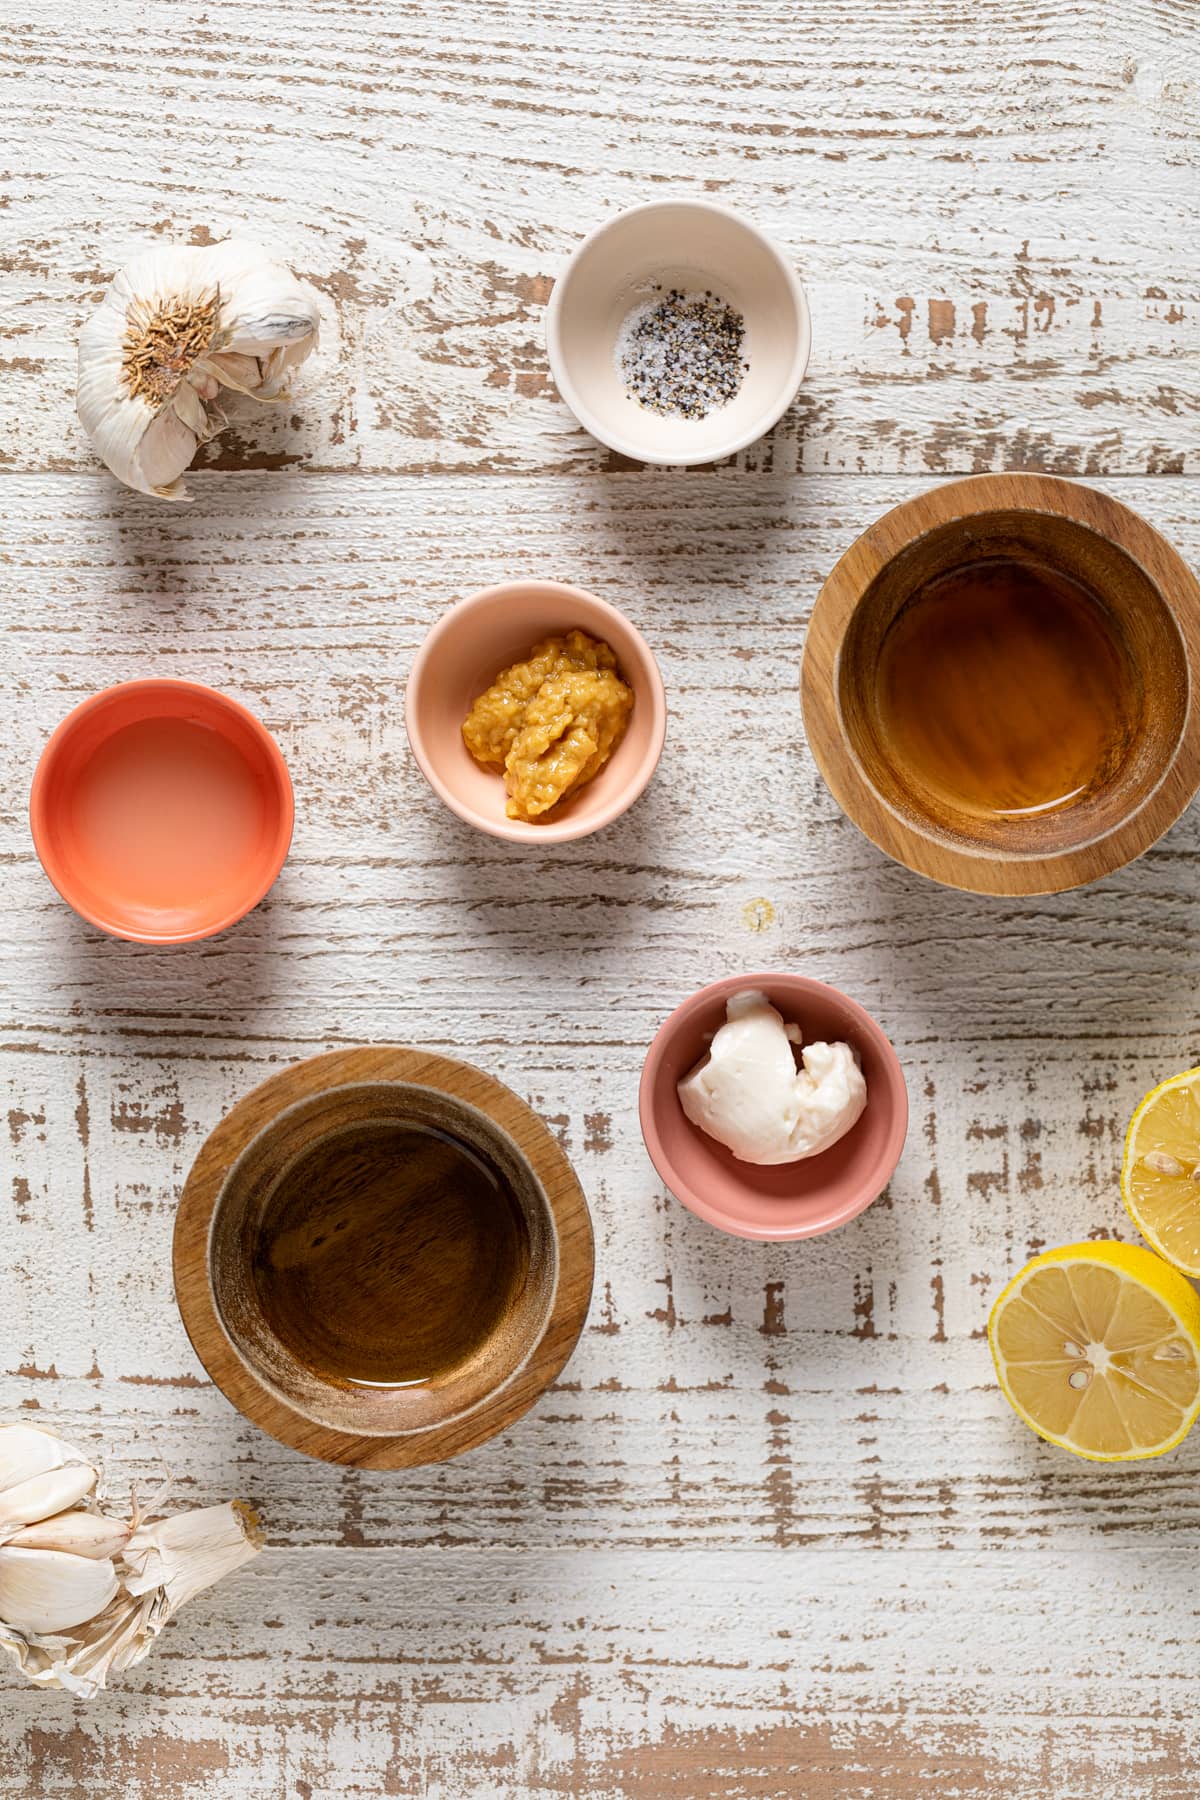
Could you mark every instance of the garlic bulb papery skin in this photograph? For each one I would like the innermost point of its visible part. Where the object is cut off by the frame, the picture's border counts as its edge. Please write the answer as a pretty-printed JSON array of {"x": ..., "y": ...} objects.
[
  {"x": 83, "y": 1595},
  {"x": 180, "y": 1556},
  {"x": 178, "y": 324}
]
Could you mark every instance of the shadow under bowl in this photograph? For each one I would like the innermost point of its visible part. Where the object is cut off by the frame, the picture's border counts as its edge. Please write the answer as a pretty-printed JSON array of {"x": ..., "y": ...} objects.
[
  {"x": 793, "y": 1200},
  {"x": 692, "y": 245},
  {"x": 461, "y": 657},
  {"x": 162, "y": 811},
  {"x": 1045, "y": 533},
  {"x": 416, "y": 1272}
]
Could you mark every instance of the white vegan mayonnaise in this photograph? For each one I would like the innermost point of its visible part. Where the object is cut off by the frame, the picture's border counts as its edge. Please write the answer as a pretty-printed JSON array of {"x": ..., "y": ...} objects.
[{"x": 749, "y": 1094}]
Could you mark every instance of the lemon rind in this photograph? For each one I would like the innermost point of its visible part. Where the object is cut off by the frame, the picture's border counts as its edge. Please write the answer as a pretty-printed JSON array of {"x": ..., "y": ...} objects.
[
  {"x": 1092, "y": 1253},
  {"x": 1147, "y": 1231}
]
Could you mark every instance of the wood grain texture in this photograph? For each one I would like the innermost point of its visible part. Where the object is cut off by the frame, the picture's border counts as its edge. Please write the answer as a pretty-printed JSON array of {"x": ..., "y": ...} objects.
[
  {"x": 649, "y": 1675},
  {"x": 1147, "y": 590},
  {"x": 461, "y": 1420},
  {"x": 831, "y": 1399},
  {"x": 774, "y": 1531},
  {"x": 993, "y": 215}
]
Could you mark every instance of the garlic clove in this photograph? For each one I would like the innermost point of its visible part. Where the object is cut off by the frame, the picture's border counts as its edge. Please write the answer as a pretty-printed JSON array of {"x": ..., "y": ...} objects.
[
  {"x": 26, "y": 1451},
  {"x": 48, "y": 1591},
  {"x": 40, "y": 1474},
  {"x": 278, "y": 366},
  {"x": 187, "y": 408},
  {"x": 243, "y": 373},
  {"x": 164, "y": 451},
  {"x": 79, "y": 1533},
  {"x": 43, "y": 1495},
  {"x": 189, "y": 1552},
  {"x": 262, "y": 303}
]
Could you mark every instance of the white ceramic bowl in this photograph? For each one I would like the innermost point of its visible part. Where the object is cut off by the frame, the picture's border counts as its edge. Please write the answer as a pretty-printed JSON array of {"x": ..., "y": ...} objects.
[{"x": 688, "y": 244}]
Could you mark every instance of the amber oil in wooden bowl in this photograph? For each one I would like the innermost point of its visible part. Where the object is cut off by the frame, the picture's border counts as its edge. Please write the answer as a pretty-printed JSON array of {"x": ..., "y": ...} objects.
[
  {"x": 388, "y": 1256},
  {"x": 383, "y": 1258},
  {"x": 1005, "y": 689},
  {"x": 1015, "y": 681}
]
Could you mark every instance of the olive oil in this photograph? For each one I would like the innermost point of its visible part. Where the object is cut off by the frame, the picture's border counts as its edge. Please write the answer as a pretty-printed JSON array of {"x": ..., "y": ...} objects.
[
  {"x": 387, "y": 1256},
  {"x": 1003, "y": 689}
]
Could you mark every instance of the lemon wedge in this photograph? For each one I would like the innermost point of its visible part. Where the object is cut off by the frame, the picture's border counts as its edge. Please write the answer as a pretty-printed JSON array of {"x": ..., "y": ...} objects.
[
  {"x": 1097, "y": 1347},
  {"x": 1160, "y": 1175}
]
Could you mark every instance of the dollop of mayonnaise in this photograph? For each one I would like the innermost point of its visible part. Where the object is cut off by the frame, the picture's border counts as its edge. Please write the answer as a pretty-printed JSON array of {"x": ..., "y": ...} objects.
[{"x": 749, "y": 1094}]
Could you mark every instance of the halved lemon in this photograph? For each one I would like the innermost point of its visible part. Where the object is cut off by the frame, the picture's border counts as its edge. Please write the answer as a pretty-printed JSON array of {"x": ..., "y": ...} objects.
[
  {"x": 1160, "y": 1175},
  {"x": 1097, "y": 1347}
]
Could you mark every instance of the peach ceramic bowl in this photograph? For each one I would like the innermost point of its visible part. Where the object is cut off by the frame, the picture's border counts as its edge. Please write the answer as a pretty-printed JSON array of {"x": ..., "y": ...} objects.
[
  {"x": 161, "y": 811},
  {"x": 463, "y": 654},
  {"x": 694, "y": 245},
  {"x": 795, "y": 1200}
]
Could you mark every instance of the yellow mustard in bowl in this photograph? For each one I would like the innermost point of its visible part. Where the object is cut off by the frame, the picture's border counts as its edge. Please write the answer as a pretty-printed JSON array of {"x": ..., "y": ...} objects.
[{"x": 550, "y": 722}]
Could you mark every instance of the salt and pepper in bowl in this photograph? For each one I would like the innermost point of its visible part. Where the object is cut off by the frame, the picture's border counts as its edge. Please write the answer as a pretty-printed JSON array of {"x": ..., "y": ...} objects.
[{"x": 678, "y": 332}]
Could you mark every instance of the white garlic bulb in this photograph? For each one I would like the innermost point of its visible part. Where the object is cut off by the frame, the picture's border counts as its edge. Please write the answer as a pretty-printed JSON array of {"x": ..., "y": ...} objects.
[
  {"x": 177, "y": 324},
  {"x": 82, "y": 1594}
]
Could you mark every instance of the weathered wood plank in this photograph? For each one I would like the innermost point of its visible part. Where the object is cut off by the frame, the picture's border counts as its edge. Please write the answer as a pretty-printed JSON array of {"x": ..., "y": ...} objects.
[
  {"x": 837, "y": 1392},
  {"x": 775, "y": 1532},
  {"x": 994, "y": 216},
  {"x": 648, "y": 1676}
]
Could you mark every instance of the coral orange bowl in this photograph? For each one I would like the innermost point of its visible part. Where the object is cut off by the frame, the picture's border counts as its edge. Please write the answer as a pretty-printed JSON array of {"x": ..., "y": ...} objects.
[{"x": 161, "y": 810}]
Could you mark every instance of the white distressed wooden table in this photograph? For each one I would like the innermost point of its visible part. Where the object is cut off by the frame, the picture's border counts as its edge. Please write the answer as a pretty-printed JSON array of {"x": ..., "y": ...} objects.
[{"x": 776, "y": 1532}]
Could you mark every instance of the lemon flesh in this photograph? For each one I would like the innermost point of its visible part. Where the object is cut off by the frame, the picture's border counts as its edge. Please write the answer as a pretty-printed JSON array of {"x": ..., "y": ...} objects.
[
  {"x": 1160, "y": 1175},
  {"x": 1097, "y": 1347}
]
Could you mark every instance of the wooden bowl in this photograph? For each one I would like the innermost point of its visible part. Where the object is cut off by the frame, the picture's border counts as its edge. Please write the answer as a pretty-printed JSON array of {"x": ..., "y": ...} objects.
[
  {"x": 342, "y": 1126},
  {"x": 1151, "y": 602}
]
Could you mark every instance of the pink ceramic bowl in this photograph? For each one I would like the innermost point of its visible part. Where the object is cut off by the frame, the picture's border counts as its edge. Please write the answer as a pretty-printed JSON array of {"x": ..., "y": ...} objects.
[
  {"x": 464, "y": 653},
  {"x": 796, "y": 1200}
]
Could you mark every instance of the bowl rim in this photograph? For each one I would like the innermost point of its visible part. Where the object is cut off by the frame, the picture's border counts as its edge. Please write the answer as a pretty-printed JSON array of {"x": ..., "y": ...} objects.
[
  {"x": 311, "y": 1102},
  {"x": 866, "y": 1192},
  {"x": 372, "y": 1063},
  {"x": 520, "y": 830},
  {"x": 40, "y": 810},
  {"x": 631, "y": 447},
  {"x": 984, "y": 868}
]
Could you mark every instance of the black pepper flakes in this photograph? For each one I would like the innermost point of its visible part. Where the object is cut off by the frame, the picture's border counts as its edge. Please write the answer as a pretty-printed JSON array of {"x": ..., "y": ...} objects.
[{"x": 682, "y": 355}]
